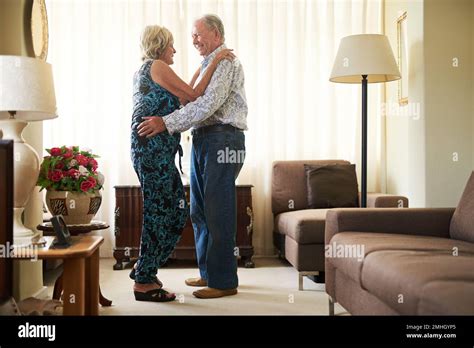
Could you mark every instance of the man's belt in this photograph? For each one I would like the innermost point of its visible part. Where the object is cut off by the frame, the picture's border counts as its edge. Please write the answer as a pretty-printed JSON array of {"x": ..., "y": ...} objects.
[{"x": 214, "y": 128}]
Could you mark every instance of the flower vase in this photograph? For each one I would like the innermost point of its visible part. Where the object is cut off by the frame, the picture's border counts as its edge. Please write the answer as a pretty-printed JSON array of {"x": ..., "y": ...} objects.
[{"x": 77, "y": 208}]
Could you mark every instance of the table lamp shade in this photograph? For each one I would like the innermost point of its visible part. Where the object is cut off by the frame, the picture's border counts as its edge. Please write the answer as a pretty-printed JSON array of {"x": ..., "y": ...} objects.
[
  {"x": 365, "y": 54},
  {"x": 26, "y": 87}
]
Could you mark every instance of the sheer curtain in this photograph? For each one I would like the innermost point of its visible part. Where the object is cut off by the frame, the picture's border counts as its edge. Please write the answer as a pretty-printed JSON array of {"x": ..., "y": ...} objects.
[{"x": 287, "y": 50}]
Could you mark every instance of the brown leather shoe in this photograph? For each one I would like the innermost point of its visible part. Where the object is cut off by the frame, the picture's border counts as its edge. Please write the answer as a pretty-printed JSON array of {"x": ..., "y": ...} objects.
[
  {"x": 214, "y": 293},
  {"x": 196, "y": 282}
]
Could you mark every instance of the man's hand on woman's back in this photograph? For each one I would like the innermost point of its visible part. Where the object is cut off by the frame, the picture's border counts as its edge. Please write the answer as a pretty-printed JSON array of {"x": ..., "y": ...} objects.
[{"x": 152, "y": 126}]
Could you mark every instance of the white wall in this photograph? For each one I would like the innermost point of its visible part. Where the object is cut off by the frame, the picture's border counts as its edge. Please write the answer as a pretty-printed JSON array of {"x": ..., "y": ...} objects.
[
  {"x": 405, "y": 131},
  {"x": 430, "y": 158},
  {"x": 448, "y": 93}
]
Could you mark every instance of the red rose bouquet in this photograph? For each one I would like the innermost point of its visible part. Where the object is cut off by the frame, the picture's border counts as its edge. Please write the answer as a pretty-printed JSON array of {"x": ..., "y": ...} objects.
[{"x": 69, "y": 169}]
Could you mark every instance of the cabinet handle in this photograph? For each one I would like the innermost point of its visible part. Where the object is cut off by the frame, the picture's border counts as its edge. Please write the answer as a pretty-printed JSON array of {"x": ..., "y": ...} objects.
[
  {"x": 250, "y": 226},
  {"x": 117, "y": 216}
]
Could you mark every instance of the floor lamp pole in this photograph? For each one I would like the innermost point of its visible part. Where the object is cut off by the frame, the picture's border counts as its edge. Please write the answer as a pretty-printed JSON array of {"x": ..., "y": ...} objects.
[{"x": 364, "y": 143}]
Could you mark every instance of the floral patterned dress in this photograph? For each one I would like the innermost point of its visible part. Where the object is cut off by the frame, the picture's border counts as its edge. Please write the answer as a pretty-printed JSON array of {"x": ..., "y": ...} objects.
[{"x": 164, "y": 205}]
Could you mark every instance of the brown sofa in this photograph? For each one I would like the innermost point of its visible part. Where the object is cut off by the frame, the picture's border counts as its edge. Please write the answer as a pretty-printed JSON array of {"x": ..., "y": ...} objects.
[
  {"x": 298, "y": 232},
  {"x": 415, "y": 261}
]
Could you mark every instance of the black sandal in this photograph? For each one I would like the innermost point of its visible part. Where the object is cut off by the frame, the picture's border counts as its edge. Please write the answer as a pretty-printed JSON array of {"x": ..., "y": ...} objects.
[
  {"x": 155, "y": 295},
  {"x": 132, "y": 276}
]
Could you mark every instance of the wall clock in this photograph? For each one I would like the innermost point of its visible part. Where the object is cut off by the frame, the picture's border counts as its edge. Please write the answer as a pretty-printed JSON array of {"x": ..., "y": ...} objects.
[{"x": 39, "y": 29}]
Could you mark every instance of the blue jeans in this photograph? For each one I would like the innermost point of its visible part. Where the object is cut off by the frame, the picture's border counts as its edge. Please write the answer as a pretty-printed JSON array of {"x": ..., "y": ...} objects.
[{"x": 216, "y": 160}]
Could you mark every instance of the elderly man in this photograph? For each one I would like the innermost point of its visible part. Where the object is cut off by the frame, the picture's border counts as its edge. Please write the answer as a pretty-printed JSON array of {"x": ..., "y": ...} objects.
[{"x": 218, "y": 119}]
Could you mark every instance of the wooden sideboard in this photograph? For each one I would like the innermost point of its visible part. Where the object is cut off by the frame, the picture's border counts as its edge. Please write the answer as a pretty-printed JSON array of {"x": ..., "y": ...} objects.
[{"x": 128, "y": 226}]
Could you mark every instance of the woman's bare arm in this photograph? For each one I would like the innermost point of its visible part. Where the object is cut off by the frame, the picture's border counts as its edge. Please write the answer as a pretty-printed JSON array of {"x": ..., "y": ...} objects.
[
  {"x": 193, "y": 81},
  {"x": 168, "y": 79},
  {"x": 196, "y": 75}
]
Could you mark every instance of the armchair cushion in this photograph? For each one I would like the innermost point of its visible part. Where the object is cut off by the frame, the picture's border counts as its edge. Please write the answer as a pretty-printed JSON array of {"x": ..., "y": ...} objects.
[
  {"x": 304, "y": 226},
  {"x": 331, "y": 186},
  {"x": 462, "y": 224}
]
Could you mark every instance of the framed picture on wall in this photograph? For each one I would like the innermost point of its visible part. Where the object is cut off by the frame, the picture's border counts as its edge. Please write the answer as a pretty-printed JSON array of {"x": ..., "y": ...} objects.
[{"x": 402, "y": 40}]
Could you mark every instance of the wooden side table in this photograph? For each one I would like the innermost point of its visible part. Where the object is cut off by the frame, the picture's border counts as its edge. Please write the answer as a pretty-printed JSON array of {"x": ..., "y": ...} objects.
[
  {"x": 81, "y": 272},
  {"x": 75, "y": 230}
]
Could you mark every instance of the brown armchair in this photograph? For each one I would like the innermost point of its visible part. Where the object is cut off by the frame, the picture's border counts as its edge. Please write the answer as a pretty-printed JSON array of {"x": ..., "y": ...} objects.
[{"x": 298, "y": 232}]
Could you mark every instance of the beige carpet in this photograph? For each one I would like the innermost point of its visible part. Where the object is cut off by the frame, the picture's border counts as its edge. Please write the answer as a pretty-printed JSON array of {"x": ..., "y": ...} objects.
[{"x": 271, "y": 288}]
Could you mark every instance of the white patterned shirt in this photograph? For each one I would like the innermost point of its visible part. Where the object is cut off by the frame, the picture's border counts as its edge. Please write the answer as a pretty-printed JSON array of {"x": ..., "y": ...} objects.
[{"x": 223, "y": 102}]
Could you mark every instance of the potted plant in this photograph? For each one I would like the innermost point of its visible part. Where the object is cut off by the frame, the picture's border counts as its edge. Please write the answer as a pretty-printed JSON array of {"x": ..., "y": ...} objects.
[{"x": 72, "y": 182}]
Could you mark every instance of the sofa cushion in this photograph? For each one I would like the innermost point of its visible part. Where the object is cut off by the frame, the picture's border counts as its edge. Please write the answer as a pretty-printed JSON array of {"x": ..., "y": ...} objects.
[
  {"x": 331, "y": 186},
  {"x": 352, "y": 242},
  {"x": 289, "y": 184},
  {"x": 437, "y": 298},
  {"x": 304, "y": 226},
  {"x": 462, "y": 223},
  {"x": 407, "y": 280}
]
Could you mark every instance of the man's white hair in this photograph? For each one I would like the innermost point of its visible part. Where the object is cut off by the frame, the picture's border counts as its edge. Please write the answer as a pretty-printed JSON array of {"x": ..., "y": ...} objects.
[{"x": 213, "y": 22}]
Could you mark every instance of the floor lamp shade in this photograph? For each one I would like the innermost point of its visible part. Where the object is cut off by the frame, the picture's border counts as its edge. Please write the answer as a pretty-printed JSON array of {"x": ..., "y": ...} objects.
[
  {"x": 26, "y": 95},
  {"x": 364, "y": 54},
  {"x": 364, "y": 58}
]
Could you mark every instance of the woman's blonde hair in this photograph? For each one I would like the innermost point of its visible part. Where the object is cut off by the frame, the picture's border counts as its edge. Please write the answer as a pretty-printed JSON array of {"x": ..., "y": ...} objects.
[{"x": 154, "y": 41}]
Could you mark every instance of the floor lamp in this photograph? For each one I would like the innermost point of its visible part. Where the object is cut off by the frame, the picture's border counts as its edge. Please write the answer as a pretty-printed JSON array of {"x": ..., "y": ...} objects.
[
  {"x": 26, "y": 95},
  {"x": 365, "y": 58}
]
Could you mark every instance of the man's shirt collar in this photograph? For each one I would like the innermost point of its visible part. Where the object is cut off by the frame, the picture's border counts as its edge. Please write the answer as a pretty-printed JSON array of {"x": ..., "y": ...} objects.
[{"x": 212, "y": 55}]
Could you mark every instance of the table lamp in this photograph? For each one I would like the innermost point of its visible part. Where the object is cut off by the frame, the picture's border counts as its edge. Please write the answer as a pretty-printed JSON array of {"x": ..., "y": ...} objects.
[
  {"x": 26, "y": 95},
  {"x": 364, "y": 58}
]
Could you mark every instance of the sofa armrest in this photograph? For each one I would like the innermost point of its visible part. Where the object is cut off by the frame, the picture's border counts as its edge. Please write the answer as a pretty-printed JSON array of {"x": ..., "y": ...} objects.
[
  {"x": 381, "y": 200},
  {"x": 415, "y": 221}
]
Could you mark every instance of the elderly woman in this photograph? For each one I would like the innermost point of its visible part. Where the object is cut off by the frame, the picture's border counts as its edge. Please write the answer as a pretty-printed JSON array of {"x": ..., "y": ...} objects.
[{"x": 159, "y": 91}]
